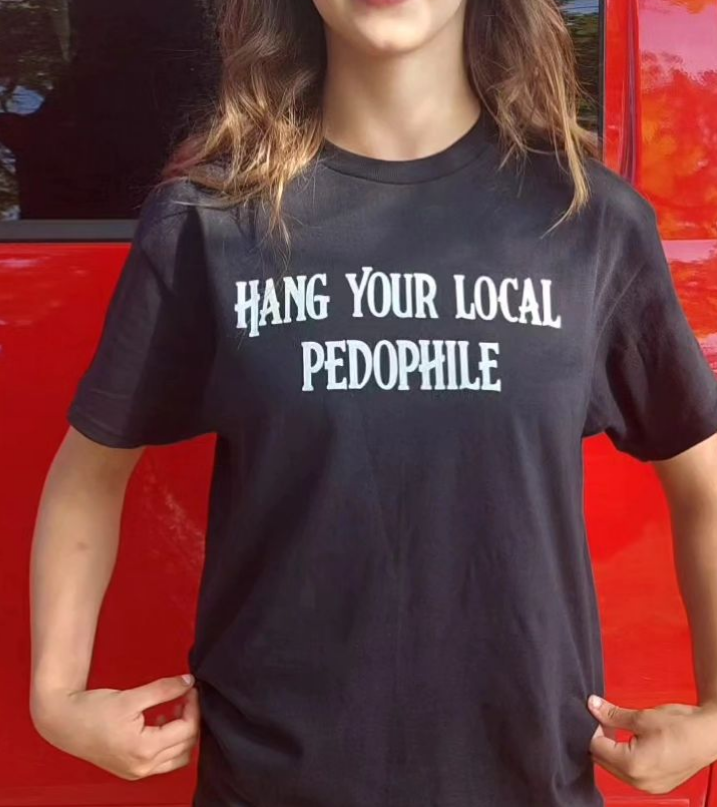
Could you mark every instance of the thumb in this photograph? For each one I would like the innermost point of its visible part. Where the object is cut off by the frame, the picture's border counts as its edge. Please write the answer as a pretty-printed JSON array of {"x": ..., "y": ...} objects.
[
  {"x": 613, "y": 716},
  {"x": 159, "y": 691}
]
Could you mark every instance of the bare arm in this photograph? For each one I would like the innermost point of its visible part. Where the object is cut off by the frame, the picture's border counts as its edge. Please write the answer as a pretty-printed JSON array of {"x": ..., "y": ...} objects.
[
  {"x": 672, "y": 742},
  {"x": 690, "y": 484},
  {"x": 73, "y": 555}
]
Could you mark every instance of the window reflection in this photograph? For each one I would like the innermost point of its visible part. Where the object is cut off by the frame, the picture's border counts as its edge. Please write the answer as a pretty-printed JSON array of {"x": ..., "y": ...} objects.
[
  {"x": 583, "y": 19},
  {"x": 93, "y": 93}
]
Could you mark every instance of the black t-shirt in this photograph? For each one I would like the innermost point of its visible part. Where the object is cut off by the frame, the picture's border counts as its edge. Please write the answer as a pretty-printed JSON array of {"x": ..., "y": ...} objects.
[{"x": 397, "y": 604}]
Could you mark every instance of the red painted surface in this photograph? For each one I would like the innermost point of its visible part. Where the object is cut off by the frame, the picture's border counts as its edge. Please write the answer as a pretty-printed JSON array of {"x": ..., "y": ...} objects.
[
  {"x": 53, "y": 299},
  {"x": 661, "y": 133},
  {"x": 661, "y": 125}
]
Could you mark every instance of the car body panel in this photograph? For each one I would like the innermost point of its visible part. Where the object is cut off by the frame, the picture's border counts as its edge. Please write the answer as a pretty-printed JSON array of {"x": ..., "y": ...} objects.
[{"x": 660, "y": 120}]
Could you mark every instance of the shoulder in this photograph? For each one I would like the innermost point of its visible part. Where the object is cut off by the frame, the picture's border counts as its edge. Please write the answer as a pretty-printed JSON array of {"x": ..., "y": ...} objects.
[
  {"x": 168, "y": 215},
  {"x": 170, "y": 236},
  {"x": 616, "y": 212},
  {"x": 167, "y": 200},
  {"x": 615, "y": 197},
  {"x": 609, "y": 193},
  {"x": 629, "y": 226},
  {"x": 616, "y": 230}
]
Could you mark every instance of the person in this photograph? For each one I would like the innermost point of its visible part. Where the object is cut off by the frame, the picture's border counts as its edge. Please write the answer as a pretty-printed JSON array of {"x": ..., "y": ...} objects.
[{"x": 390, "y": 273}]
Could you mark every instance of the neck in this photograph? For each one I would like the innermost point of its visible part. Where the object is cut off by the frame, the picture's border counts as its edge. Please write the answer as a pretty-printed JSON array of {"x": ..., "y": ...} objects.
[{"x": 398, "y": 106}]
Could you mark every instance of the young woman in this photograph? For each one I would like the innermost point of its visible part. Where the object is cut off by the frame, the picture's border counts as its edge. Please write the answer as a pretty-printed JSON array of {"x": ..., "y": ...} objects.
[{"x": 393, "y": 278}]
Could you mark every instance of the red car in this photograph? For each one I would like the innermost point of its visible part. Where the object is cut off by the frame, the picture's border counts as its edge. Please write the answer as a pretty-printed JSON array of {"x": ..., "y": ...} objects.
[{"x": 92, "y": 95}]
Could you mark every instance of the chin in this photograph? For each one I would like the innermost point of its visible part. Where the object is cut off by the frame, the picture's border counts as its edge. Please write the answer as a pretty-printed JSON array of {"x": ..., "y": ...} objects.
[
  {"x": 388, "y": 40},
  {"x": 386, "y": 27}
]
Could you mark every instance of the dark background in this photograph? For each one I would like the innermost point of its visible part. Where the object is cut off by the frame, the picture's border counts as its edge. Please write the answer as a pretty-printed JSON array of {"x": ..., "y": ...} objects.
[{"x": 94, "y": 93}]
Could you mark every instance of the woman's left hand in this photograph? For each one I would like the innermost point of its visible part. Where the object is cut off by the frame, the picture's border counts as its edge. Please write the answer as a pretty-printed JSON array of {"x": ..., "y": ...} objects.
[{"x": 670, "y": 743}]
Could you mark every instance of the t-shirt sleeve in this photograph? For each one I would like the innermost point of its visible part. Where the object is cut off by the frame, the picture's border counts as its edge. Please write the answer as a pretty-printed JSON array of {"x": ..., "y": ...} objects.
[
  {"x": 147, "y": 380},
  {"x": 653, "y": 391}
]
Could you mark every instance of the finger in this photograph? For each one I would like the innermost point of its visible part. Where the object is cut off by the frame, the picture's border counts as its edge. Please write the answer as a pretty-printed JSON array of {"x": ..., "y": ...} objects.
[
  {"x": 190, "y": 707},
  {"x": 610, "y": 768},
  {"x": 613, "y": 716},
  {"x": 613, "y": 754},
  {"x": 179, "y": 761},
  {"x": 610, "y": 732},
  {"x": 177, "y": 711},
  {"x": 180, "y": 748},
  {"x": 158, "y": 738},
  {"x": 602, "y": 731},
  {"x": 159, "y": 691},
  {"x": 160, "y": 745},
  {"x": 605, "y": 731},
  {"x": 187, "y": 709}
]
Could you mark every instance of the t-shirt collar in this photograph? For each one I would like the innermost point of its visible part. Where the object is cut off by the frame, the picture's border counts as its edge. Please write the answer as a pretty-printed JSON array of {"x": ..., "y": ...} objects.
[{"x": 469, "y": 146}]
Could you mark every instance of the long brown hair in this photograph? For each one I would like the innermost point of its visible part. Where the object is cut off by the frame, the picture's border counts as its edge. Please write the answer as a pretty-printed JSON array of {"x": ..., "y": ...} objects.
[{"x": 266, "y": 123}]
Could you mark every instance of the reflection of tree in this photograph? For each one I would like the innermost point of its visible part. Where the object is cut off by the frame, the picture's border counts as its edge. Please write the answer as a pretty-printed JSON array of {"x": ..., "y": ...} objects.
[
  {"x": 8, "y": 190},
  {"x": 696, "y": 282},
  {"x": 693, "y": 6},
  {"x": 107, "y": 117},
  {"x": 679, "y": 172},
  {"x": 584, "y": 28},
  {"x": 110, "y": 81},
  {"x": 31, "y": 54},
  {"x": 30, "y": 69}
]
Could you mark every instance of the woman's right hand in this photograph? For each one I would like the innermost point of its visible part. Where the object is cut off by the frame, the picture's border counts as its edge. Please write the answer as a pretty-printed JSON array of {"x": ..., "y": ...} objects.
[{"x": 107, "y": 727}]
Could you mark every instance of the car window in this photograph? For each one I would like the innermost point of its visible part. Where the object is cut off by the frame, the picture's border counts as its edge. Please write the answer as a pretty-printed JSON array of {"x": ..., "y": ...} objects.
[
  {"x": 93, "y": 94},
  {"x": 584, "y": 21}
]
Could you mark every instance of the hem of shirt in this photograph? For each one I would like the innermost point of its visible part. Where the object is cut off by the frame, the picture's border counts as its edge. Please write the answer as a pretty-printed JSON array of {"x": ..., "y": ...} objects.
[
  {"x": 701, "y": 429},
  {"x": 98, "y": 433}
]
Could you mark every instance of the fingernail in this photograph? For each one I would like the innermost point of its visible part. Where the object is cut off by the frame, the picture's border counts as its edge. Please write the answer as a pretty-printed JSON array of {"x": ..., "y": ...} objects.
[
  {"x": 188, "y": 679},
  {"x": 595, "y": 701}
]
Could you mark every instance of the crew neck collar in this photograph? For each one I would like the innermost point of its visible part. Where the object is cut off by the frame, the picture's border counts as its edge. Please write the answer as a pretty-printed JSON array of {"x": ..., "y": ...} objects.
[{"x": 469, "y": 146}]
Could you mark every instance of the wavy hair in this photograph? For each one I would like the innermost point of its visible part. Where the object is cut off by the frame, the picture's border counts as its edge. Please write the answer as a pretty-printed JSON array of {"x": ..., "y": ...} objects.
[{"x": 265, "y": 124}]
